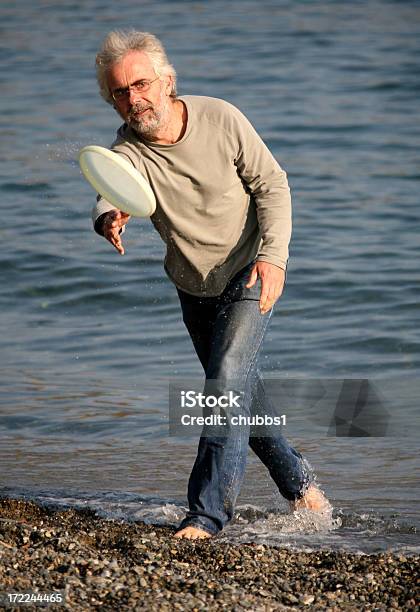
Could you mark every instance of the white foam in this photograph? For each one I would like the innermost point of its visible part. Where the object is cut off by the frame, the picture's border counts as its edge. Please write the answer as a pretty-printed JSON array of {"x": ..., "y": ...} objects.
[{"x": 303, "y": 530}]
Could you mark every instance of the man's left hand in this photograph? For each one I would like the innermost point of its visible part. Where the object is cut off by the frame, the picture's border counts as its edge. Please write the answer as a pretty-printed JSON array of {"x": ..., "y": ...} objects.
[{"x": 272, "y": 283}]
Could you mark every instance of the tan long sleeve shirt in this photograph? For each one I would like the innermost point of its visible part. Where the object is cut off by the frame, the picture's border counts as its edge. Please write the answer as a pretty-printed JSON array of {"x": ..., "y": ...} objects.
[{"x": 222, "y": 199}]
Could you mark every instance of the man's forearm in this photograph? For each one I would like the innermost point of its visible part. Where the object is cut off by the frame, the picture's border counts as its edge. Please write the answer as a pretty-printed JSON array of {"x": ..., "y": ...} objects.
[{"x": 275, "y": 222}]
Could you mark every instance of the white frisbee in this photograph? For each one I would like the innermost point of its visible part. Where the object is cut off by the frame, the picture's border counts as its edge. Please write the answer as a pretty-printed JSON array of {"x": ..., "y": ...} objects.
[{"x": 116, "y": 180}]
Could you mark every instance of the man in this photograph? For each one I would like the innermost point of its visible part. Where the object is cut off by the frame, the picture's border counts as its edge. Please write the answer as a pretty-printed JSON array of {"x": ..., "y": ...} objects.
[{"x": 223, "y": 210}]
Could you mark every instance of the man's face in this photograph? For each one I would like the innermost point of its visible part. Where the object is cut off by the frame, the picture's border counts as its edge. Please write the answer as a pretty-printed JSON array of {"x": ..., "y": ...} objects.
[{"x": 145, "y": 112}]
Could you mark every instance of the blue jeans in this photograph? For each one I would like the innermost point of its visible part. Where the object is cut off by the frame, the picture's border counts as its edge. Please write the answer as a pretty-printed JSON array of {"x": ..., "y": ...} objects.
[{"x": 227, "y": 332}]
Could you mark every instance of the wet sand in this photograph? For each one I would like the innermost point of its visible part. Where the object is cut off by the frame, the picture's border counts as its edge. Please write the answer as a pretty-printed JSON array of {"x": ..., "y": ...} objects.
[{"x": 111, "y": 565}]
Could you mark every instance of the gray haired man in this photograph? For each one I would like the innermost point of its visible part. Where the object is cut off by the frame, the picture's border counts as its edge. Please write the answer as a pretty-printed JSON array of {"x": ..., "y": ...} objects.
[{"x": 224, "y": 212}]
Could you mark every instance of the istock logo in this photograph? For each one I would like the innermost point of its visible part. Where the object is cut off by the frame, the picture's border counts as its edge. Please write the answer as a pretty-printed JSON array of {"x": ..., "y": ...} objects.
[
  {"x": 331, "y": 407},
  {"x": 192, "y": 399}
]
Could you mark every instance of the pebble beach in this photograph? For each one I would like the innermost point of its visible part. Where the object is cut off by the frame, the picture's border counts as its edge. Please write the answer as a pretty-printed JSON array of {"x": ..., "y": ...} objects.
[{"x": 114, "y": 565}]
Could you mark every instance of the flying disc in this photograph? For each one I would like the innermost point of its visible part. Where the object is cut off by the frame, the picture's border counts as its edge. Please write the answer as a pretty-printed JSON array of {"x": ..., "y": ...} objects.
[{"x": 116, "y": 180}]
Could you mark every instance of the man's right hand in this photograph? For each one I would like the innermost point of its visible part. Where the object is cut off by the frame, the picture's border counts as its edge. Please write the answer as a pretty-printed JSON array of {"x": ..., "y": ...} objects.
[{"x": 114, "y": 221}]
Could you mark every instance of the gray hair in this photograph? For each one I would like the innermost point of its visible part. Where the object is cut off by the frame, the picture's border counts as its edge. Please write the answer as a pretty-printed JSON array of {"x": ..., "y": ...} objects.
[{"x": 118, "y": 43}]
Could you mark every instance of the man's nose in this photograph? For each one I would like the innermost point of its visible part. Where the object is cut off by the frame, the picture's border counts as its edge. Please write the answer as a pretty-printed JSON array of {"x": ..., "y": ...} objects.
[{"x": 134, "y": 96}]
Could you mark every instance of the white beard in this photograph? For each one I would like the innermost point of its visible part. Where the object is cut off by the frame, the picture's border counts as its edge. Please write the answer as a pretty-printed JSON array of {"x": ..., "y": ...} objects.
[{"x": 153, "y": 120}]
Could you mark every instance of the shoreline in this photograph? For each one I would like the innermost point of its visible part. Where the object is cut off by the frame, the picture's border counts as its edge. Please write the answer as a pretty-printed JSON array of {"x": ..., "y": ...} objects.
[{"x": 112, "y": 565}]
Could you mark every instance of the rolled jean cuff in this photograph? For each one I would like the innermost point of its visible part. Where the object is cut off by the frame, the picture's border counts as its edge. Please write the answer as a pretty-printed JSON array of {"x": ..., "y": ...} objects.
[
  {"x": 308, "y": 480},
  {"x": 204, "y": 525}
]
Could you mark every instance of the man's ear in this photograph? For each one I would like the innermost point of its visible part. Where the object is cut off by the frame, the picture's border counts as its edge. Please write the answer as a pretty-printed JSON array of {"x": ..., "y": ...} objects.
[{"x": 169, "y": 84}]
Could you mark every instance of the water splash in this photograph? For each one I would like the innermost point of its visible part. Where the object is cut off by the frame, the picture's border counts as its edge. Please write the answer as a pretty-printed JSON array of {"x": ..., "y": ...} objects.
[{"x": 303, "y": 530}]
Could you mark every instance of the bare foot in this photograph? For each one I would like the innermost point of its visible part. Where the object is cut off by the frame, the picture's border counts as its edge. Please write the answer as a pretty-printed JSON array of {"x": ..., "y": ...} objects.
[
  {"x": 313, "y": 500},
  {"x": 192, "y": 533}
]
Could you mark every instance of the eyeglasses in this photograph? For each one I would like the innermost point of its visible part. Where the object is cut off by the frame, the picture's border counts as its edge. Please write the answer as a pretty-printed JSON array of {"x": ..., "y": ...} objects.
[{"x": 138, "y": 87}]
